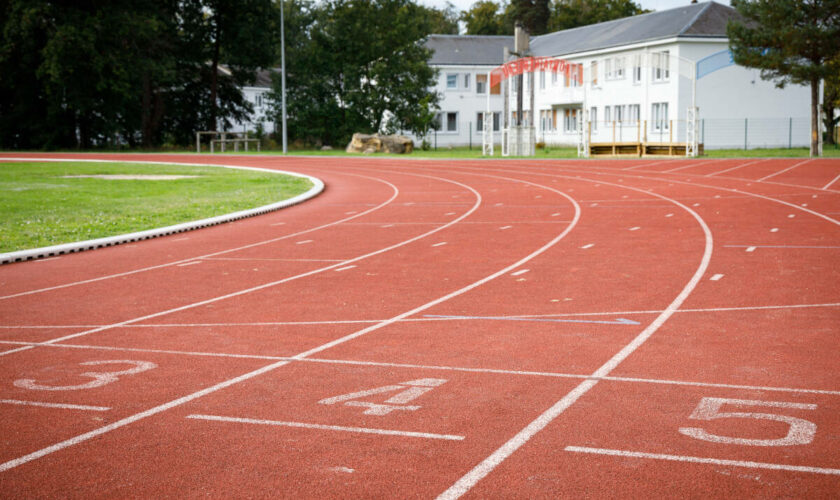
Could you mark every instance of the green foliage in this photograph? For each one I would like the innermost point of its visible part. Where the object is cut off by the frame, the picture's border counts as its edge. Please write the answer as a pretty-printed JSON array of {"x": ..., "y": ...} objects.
[
  {"x": 790, "y": 41},
  {"x": 569, "y": 14},
  {"x": 350, "y": 61},
  {"x": 484, "y": 18}
]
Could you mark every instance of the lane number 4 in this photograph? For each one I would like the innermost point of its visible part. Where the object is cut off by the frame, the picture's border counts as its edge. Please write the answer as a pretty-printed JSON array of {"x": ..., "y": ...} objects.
[
  {"x": 408, "y": 391},
  {"x": 99, "y": 378},
  {"x": 800, "y": 431}
]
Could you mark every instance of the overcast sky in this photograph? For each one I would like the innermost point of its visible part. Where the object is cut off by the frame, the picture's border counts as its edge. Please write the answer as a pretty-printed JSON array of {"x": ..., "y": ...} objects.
[{"x": 647, "y": 4}]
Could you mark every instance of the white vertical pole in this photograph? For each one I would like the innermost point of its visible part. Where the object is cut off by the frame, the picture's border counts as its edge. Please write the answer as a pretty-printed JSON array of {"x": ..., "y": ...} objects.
[
  {"x": 283, "y": 73},
  {"x": 488, "y": 122}
]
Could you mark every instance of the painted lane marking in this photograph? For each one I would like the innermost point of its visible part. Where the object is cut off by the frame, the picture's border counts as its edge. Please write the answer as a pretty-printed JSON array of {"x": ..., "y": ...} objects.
[
  {"x": 618, "y": 321},
  {"x": 353, "y": 212},
  {"x": 804, "y": 205},
  {"x": 439, "y": 244},
  {"x": 189, "y": 263},
  {"x": 246, "y": 259},
  {"x": 774, "y": 230},
  {"x": 783, "y": 171},
  {"x": 182, "y": 239},
  {"x": 751, "y": 249},
  {"x": 505, "y": 227},
  {"x": 54, "y": 405},
  {"x": 702, "y": 460},
  {"x": 345, "y": 268},
  {"x": 778, "y": 246},
  {"x": 696, "y": 205},
  {"x": 394, "y": 195},
  {"x": 363, "y": 430},
  {"x": 588, "y": 245},
  {"x": 636, "y": 228},
  {"x": 830, "y": 183},
  {"x": 716, "y": 277},
  {"x": 556, "y": 214},
  {"x": 466, "y": 482},
  {"x": 255, "y": 373},
  {"x": 791, "y": 216},
  {"x": 735, "y": 167},
  {"x": 520, "y": 272},
  {"x": 409, "y": 391},
  {"x": 277, "y": 224},
  {"x": 304, "y": 242},
  {"x": 433, "y": 367},
  {"x": 388, "y": 225},
  {"x": 449, "y": 213},
  {"x": 669, "y": 215},
  {"x": 498, "y": 204},
  {"x": 44, "y": 260}
]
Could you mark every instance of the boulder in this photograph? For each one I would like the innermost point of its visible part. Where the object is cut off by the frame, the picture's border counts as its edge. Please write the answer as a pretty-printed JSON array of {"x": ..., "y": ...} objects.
[{"x": 375, "y": 143}]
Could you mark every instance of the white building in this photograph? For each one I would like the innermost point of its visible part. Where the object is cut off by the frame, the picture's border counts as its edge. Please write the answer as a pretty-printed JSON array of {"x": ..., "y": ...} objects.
[
  {"x": 631, "y": 79},
  {"x": 257, "y": 94}
]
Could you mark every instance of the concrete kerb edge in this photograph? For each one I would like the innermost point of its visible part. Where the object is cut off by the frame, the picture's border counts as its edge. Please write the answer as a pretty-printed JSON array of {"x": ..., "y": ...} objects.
[{"x": 80, "y": 246}]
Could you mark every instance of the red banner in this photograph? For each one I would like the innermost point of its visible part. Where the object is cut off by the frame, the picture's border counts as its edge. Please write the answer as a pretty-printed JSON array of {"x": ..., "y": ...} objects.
[{"x": 534, "y": 64}]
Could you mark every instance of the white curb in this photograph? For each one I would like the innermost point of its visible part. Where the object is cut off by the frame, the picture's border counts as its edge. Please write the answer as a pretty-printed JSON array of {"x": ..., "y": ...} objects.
[{"x": 79, "y": 246}]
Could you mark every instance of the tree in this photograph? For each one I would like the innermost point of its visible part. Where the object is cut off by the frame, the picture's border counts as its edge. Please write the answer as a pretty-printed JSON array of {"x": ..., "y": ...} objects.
[
  {"x": 569, "y": 14},
  {"x": 484, "y": 18},
  {"x": 790, "y": 41},
  {"x": 442, "y": 21},
  {"x": 533, "y": 14},
  {"x": 831, "y": 101},
  {"x": 354, "y": 61}
]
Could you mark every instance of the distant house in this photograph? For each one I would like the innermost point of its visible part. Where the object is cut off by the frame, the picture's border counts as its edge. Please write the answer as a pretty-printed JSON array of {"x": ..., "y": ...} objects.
[
  {"x": 257, "y": 94},
  {"x": 629, "y": 77}
]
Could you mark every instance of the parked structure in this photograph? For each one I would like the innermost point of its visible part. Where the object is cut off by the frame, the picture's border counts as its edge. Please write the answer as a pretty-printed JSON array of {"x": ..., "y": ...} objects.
[{"x": 630, "y": 80}]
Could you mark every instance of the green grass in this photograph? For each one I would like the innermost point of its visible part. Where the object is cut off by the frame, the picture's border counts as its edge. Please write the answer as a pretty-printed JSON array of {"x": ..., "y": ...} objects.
[
  {"x": 828, "y": 152},
  {"x": 40, "y": 207}
]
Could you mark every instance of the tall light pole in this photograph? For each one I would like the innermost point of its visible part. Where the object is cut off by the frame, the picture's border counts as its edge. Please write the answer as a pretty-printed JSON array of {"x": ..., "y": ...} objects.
[{"x": 283, "y": 73}]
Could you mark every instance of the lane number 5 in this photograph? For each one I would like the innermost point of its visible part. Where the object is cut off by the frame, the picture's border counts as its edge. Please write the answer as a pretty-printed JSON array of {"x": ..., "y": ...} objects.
[
  {"x": 99, "y": 378},
  {"x": 800, "y": 431}
]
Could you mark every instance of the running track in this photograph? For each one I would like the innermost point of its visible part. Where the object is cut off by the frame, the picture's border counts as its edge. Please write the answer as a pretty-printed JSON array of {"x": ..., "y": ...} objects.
[{"x": 526, "y": 329}]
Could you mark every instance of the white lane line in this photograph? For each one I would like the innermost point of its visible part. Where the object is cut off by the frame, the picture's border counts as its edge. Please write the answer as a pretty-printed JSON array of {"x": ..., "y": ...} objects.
[
  {"x": 44, "y": 260},
  {"x": 182, "y": 239},
  {"x": 716, "y": 277},
  {"x": 683, "y": 168},
  {"x": 785, "y": 170},
  {"x": 350, "y": 213},
  {"x": 189, "y": 263},
  {"x": 227, "y": 383},
  {"x": 276, "y": 260},
  {"x": 344, "y": 268},
  {"x": 774, "y": 230},
  {"x": 434, "y": 367},
  {"x": 466, "y": 482},
  {"x": 750, "y": 249},
  {"x": 702, "y": 460},
  {"x": 669, "y": 215},
  {"x": 830, "y": 183},
  {"x": 363, "y": 430},
  {"x": 394, "y": 195},
  {"x": 505, "y": 227},
  {"x": 635, "y": 228},
  {"x": 588, "y": 245},
  {"x": 778, "y": 246},
  {"x": 791, "y": 216},
  {"x": 54, "y": 405},
  {"x": 520, "y": 272},
  {"x": 735, "y": 167},
  {"x": 439, "y": 244},
  {"x": 388, "y": 225},
  {"x": 304, "y": 242},
  {"x": 556, "y": 214},
  {"x": 277, "y": 224},
  {"x": 449, "y": 213}
]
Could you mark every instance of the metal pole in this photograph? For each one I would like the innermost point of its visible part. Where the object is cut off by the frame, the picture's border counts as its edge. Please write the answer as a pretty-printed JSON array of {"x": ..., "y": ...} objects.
[{"x": 283, "y": 73}]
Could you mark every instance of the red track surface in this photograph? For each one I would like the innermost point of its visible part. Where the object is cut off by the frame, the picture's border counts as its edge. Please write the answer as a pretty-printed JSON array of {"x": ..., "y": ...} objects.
[{"x": 536, "y": 330}]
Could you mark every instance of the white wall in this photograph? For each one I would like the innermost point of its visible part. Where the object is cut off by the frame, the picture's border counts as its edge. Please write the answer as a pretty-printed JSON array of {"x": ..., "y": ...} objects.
[{"x": 258, "y": 97}]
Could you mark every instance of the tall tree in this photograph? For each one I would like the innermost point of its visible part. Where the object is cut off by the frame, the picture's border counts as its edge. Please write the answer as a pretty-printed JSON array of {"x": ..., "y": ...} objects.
[
  {"x": 533, "y": 14},
  {"x": 790, "y": 41},
  {"x": 484, "y": 18},
  {"x": 567, "y": 14},
  {"x": 442, "y": 21},
  {"x": 357, "y": 60},
  {"x": 831, "y": 102}
]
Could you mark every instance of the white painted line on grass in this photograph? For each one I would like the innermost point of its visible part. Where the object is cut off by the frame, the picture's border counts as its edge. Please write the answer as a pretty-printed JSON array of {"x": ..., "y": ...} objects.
[
  {"x": 716, "y": 277},
  {"x": 54, "y": 405},
  {"x": 588, "y": 245},
  {"x": 439, "y": 244},
  {"x": 344, "y": 268},
  {"x": 520, "y": 272},
  {"x": 189, "y": 263},
  {"x": 363, "y": 430},
  {"x": 783, "y": 171},
  {"x": 702, "y": 460},
  {"x": 830, "y": 183}
]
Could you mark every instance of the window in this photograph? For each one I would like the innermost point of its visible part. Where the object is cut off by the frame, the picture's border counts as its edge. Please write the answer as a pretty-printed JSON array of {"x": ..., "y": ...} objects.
[
  {"x": 542, "y": 80},
  {"x": 479, "y": 127},
  {"x": 659, "y": 114},
  {"x": 258, "y": 100},
  {"x": 633, "y": 113},
  {"x": 606, "y": 115},
  {"x": 619, "y": 112},
  {"x": 593, "y": 117},
  {"x": 467, "y": 81},
  {"x": 608, "y": 73},
  {"x": 497, "y": 118},
  {"x": 480, "y": 84},
  {"x": 619, "y": 68},
  {"x": 661, "y": 66},
  {"x": 637, "y": 68},
  {"x": 452, "y": 122},
  {"x": 479, "y": 121},
  {"x": 594, "y": 73},
  {"x": 554, "y": 78},
  {"x": 570, "y": 123},
  {"x": 452, "y": 80}
]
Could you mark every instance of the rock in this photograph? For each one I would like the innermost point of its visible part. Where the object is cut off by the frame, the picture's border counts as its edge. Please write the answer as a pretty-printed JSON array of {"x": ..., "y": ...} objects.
[{"x": 365, "y": 143}]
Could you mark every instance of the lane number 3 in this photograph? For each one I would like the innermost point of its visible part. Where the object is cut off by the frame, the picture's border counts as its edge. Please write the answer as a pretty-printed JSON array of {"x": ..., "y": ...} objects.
[
  {"x": 99, "y": 378},
  {"x": 800, "y": 431}
]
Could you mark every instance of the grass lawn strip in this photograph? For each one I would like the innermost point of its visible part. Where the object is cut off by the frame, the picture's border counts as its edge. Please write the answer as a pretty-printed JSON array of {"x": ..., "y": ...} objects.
[{"x": 40, "y": 205}]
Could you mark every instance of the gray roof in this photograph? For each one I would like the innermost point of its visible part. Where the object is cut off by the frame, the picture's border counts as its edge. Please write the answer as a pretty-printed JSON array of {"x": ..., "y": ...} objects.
[
  {"x": 696, "y": 20},
  {"x": 470, "y": 50}
]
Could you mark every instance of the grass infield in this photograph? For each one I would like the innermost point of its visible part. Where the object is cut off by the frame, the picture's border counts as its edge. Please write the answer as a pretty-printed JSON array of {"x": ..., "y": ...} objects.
[{"x": 41, "y": 206}]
